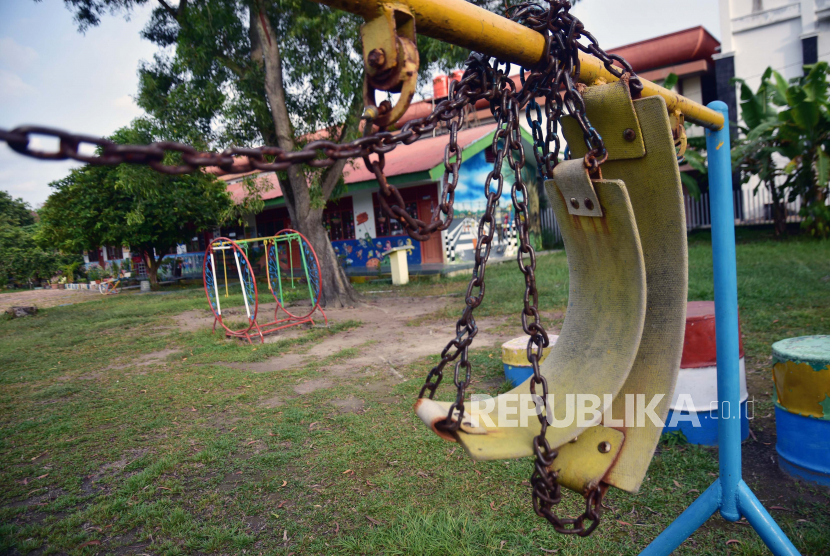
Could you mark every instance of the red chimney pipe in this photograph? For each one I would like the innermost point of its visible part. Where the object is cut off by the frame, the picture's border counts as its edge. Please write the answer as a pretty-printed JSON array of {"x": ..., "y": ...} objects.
[{"x": 440, "y": 86}]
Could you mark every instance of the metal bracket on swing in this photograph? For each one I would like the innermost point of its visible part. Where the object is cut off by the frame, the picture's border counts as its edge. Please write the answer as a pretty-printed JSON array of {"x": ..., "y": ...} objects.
[
  {"x": 576, "y": 187},
  {"x": 390, "y": 58}
]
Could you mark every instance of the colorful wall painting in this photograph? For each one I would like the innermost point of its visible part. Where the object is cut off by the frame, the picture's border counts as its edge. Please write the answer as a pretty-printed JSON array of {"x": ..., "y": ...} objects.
[
  {"x": 368, "y": 251},
  {"x": 470, "y": 204}
]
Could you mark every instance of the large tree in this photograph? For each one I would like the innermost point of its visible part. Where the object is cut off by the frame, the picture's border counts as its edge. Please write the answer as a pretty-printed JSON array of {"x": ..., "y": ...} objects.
[
  {"x": 132, "y": 205},
  {"x": 22, "y": 260},
  {"x": 253, "y": 72}
]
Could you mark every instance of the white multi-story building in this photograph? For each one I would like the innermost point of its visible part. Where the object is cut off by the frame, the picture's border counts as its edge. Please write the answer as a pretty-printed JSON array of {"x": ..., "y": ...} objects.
[
  {"x": 782, "y": 34},
  {"x": 785, "y": 35}
]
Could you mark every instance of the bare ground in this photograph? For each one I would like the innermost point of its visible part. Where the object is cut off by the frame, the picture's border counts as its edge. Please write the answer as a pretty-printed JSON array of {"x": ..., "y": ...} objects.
[
  {"x": 46, "y": 298},
  {"x": 387, "y": 338},
  {"x": 383, "y": 340}
]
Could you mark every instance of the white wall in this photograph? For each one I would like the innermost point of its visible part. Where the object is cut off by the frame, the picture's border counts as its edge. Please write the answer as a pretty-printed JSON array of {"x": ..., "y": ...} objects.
[
  {"x": 772, "y": 36},
  {"x": 362, "y": 202},
  {"x": 777, "y": 45}
]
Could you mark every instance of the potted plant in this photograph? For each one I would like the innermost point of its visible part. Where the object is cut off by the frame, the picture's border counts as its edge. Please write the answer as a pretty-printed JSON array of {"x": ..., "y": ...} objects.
[{"x": 69, "y": 271}]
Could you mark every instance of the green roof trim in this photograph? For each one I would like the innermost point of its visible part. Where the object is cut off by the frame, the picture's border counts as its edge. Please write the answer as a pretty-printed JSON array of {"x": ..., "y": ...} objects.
[{"x": 433, "y": 174}]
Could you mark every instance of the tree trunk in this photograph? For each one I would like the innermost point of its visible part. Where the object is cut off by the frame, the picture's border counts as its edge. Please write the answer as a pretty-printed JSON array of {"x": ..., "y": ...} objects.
[
  {"x": 153, "y": 266},
  {"x": 336, "y": 290},
  {"x": 779, "y": 211}
]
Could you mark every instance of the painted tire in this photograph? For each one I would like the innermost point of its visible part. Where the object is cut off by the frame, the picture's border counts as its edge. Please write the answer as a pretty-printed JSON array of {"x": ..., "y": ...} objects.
[
  {"x": 312, "y": 264},
  {"x": 248, "y": 282}
]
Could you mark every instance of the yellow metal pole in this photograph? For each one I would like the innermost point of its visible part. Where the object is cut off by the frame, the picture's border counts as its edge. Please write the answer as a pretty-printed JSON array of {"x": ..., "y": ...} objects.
[{"x": 463, "y": 24}]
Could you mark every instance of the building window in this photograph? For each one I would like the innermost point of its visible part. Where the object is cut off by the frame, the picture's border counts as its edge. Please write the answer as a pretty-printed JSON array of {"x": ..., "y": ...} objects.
[
  {"x": 385, "y": 226},
  {"x": 338, "y": 218},
  {"x": 489, "y": 154},
  {"x": 114, "y": 253},
  {"x": 271, "y": 221},
  {"x": 340, "y": 224}
]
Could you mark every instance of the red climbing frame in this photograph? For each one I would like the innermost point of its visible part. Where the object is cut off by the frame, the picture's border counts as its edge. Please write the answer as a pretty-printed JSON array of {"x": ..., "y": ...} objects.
[
  {"x": 311, "y": 268},
  {"x": 211, "y": 283},
  {"x": 312, "y": 265}
]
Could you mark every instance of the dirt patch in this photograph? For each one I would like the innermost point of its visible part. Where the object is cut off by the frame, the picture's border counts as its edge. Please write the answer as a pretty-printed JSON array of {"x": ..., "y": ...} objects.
[
  {"x": 44, "y": 496},
  {"x": 271, "y": 403},
  {"x": 153, "y": 357},
  {"x": 190, "y": 321},
  {"x": 384, "y": 343},
  {"x": 47, "y": 298},
  {"x": 146, "y": 359},
  {"x": 281, "y": 363},
  {"x": 197, "y": 319},
  {"x": 760, "y": 459},
  {"x": 349, "y": 405},
  {"x": 312, "y": 385}
]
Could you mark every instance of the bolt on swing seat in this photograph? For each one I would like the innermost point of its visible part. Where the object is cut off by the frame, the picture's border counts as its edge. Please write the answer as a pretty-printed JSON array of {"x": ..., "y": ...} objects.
[{"x": 623, "y": 329}]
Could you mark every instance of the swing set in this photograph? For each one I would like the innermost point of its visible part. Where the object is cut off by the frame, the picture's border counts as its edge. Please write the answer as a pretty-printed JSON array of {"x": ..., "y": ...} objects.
[
  {"x": 618, "y": 199},
  {"x": 281, "y": 252}
]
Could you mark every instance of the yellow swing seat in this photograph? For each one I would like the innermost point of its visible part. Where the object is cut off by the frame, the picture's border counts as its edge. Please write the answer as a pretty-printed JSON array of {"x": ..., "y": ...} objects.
[{"x": 624, "y": 324}]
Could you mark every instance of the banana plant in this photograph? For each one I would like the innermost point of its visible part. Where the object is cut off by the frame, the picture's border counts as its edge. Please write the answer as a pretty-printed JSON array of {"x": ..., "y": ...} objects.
[
  {"x": 757, "y": 152},
  {"x": 804, "y": 138}
]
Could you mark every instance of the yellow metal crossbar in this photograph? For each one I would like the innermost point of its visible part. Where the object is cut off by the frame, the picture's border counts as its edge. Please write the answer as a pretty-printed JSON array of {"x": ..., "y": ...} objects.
[{"x": 463, "y": 24}]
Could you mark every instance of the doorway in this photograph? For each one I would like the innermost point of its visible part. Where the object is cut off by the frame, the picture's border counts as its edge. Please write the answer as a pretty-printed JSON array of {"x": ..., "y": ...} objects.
[{"x": 431, "y": 251}]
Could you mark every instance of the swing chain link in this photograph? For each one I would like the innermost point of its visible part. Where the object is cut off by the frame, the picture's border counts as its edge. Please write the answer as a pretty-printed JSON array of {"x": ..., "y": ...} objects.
[
  {"x": 560, "y": 73},
  {"x": 506, "y": 137}
]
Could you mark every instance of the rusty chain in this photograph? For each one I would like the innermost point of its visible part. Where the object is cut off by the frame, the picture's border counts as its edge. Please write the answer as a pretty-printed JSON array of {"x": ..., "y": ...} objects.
[{"x": 555, "y": 78}]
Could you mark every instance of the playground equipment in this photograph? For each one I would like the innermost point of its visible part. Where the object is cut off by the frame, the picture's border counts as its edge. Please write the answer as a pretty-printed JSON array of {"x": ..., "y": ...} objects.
[
  {"x": 801, "y": 369},
  {"x": 517, "y": 369},
  {"x": 281, "y": 252},
  {"x": 698, "y": 381},
  {"x": 623, "y": 233}
]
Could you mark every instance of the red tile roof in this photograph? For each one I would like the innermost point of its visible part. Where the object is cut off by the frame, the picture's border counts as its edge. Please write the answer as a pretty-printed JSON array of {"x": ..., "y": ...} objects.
[
  {"x": 420, "y": 156},
  {"x": 237, "y": 190}
]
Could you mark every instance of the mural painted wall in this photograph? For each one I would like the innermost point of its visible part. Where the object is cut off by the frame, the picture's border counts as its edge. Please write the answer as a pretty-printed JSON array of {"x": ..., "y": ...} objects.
[
  {"x": 470, "y": 204},
  {"x": 368, "y": 251}
]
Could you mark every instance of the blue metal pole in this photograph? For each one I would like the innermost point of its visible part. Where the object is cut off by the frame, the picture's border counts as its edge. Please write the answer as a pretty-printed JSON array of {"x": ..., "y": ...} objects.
[
  {"x": 729, "y": 493},
  {"x": 726, "y": 313},
  {"x": 686, "y": 523},
  {"x": 762, "y": 522}
]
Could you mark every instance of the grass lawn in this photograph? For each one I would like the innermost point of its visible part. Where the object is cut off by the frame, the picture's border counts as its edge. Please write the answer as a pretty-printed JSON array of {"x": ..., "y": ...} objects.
[{"x": 106, "y": 451}]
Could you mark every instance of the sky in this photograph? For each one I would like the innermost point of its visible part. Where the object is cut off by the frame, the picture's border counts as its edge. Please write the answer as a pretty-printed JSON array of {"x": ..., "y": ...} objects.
[{"x": 54, "y": 76}]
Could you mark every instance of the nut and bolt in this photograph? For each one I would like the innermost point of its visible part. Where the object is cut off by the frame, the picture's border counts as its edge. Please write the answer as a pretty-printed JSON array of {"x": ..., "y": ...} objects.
[
  {"x": 574, "y": 203},
  {"x": 629, "y": 135},
  {"x": 589, "y": 204},
  {"x": 604, "y": 447},
  {"x": 376, "y": 58}
]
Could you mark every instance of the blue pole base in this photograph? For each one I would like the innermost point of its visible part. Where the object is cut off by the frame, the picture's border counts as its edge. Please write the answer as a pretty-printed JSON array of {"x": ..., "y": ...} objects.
[{"x": 707, "y": 433}]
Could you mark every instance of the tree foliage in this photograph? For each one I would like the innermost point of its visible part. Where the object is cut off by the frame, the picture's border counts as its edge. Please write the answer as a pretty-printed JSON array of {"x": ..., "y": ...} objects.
[
  {"x": 131, "y": 205},
  {"x": 756, "y": 152},
  {"x": 22, "y": 260},
  {"x": 254, "y": 72},
  {"x": 15, "y": 211},
  {"x": 784, "y": 143},
  {"x": 787, "y": 135}
]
